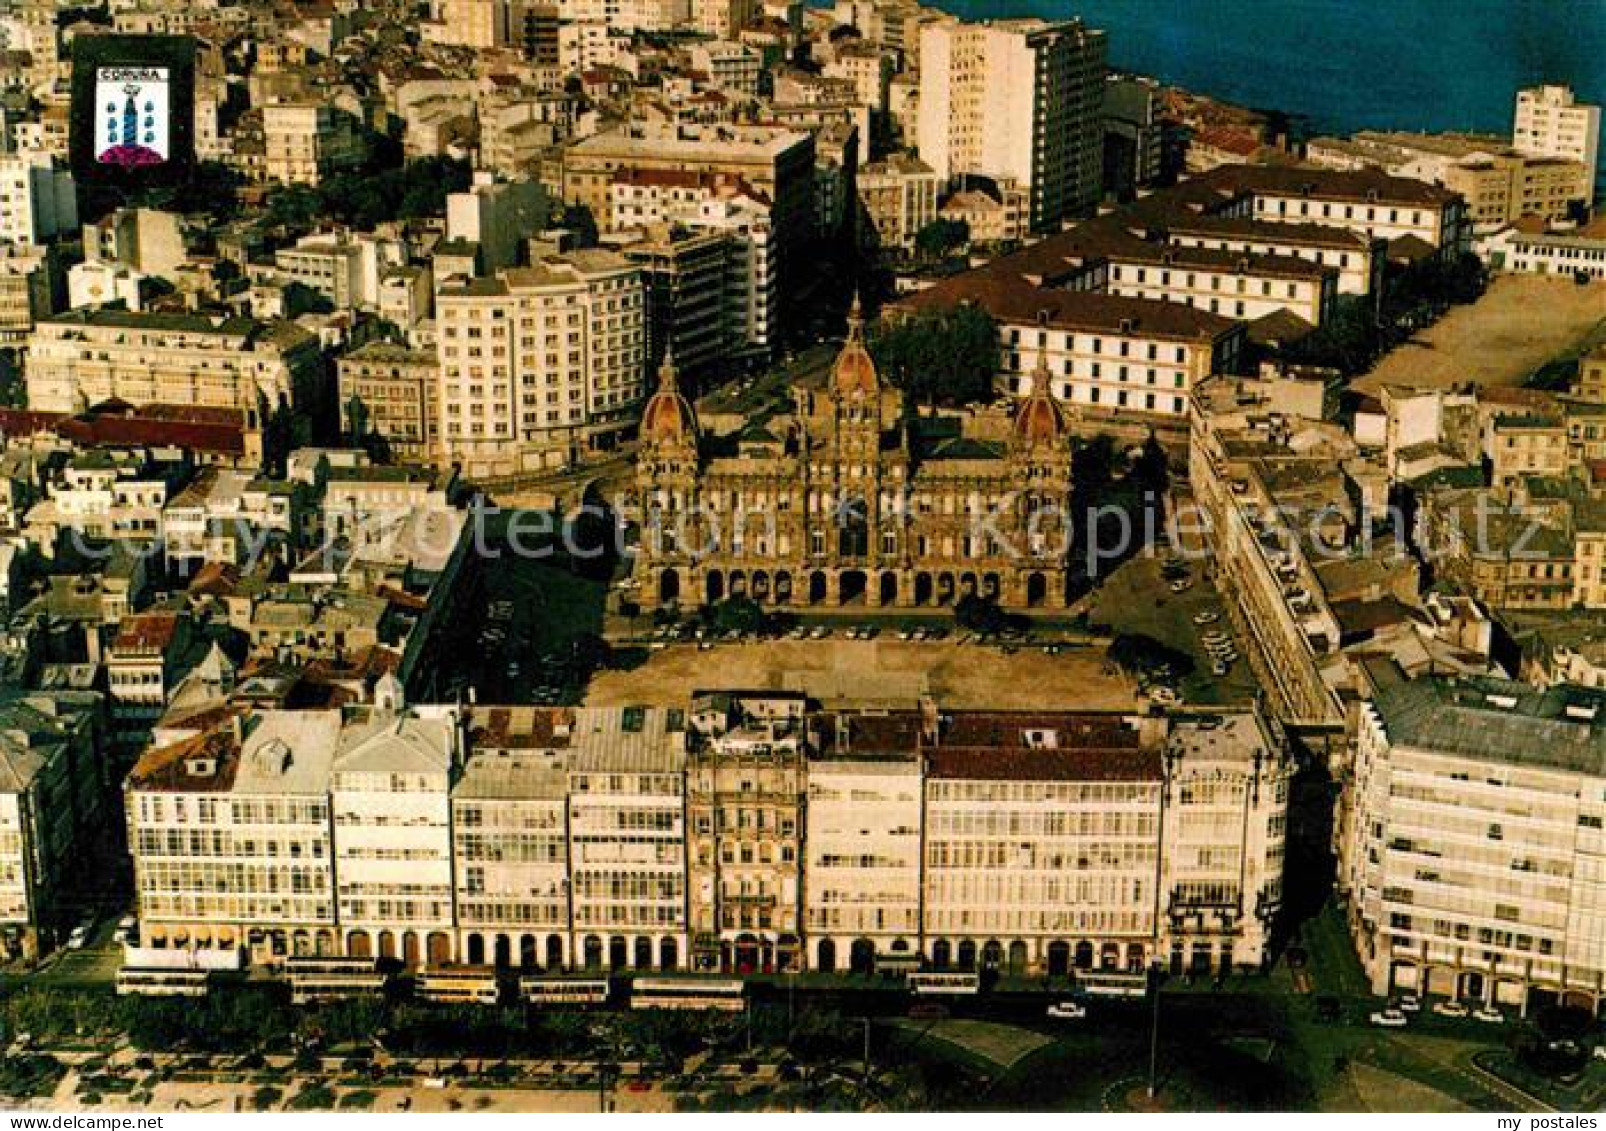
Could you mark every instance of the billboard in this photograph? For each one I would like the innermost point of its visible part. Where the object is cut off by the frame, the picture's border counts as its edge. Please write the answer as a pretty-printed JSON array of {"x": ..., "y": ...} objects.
[{"x": 133, "y": 110}]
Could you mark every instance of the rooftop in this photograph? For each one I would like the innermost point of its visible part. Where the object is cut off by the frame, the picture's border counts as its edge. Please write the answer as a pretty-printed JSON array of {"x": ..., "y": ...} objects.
[{"x": 1559, "y": 728}]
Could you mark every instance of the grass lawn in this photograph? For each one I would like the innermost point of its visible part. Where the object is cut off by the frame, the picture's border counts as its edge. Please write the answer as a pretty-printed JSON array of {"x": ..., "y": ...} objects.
[
  {"x": 998, "y": 1047},
  {"x": 1587, "y": 1093}
]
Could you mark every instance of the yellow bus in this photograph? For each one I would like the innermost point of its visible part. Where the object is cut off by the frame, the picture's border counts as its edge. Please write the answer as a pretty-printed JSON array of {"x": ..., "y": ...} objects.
[{"x": 457, "y": 983}]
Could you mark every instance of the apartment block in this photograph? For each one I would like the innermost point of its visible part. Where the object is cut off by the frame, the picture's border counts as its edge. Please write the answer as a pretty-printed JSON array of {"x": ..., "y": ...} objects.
[
  {"x": 29, "y": 276},
  {"x": 721, "y": 205},
  {"x": 629, "y": 839},
  {"x": 82, "y": 358},
  {"x": 540, "y": 363},
  {"x": 306, "y": 142},
  {"x": 724, "y": 19},
  {"x": 750, "y": 832},
  {"x": 862, "y": 866},
  {"x": 231, "y": 837},
  {"x": 344, "y": 268},
  {"x": 897, "y": 198},
  {"x": 497, "y": 217},
  {"x": 745, "y": 796},
  {"x": 391, "y": 392},
  {"x": 389, "y": 803},
  {"x": 776, "y": 163},
  {"x": 38, "y": 201},
  {"x": 511, "y": 840},
  {"x": 685, "y": 275},
  {"x": 1551, "y": 122},
  {"x": 1475, "y": 867},
  {"x": 1020, "y": 99},
  {"x": 52, "y": 803}
]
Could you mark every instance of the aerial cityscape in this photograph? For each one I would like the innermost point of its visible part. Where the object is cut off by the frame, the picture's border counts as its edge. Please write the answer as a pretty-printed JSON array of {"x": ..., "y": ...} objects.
[{"x": 827, "y": 556}]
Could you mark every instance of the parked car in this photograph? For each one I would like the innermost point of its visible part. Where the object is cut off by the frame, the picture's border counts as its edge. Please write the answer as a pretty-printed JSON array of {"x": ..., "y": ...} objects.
[
  {"x": 1220, "y": 668},
  {"x": 1067, "y": 1011},
  {"x": 1410, "y": 1003},
  {"x": 1181, "y": 585},
  {"x": 1206, "y": 616},
  {"x": 1489, "y": 1015},
  {"x": 79, "y": 937},
  {"x": 1449, "y": 1009},
  {"x": 1164, "y": 694},
  {"x": 1389, "y": 1019}
]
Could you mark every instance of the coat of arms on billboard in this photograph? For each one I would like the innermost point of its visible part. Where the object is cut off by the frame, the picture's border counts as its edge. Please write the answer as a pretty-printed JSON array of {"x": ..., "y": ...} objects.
[{"x": 131, "y": 116}]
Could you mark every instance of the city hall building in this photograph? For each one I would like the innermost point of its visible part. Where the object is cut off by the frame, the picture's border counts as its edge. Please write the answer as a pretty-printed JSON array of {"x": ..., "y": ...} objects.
[{"x": 844, "y": 503}]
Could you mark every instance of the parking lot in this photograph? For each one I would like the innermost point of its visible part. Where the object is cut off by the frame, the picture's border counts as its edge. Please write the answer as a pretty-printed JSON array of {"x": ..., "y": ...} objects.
[
  {"x": 1138, "y": 599},
  {"x": 520, "y": 646}
]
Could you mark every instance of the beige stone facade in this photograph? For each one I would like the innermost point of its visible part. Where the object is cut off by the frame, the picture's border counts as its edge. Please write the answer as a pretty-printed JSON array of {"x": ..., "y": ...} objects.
[{"x": 843, "y": 504}]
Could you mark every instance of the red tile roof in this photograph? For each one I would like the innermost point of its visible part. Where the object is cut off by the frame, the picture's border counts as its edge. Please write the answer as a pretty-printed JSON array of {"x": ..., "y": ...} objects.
[
  {"x": 215, "y": 431},
  {"x": 141, "y": 632}
]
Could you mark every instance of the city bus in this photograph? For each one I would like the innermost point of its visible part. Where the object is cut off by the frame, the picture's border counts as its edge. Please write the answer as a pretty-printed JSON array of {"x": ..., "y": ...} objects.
[
  {"x": 457, "y": 984},
  {"x": 943, "y": 982},
  {"x": 157, "y": 982},
  {"x": 563, "y": 993},
  {"x": 727, "y": 995},
  {"x": 323, "y": 978},
  {"x": 1111, "y": 983}
]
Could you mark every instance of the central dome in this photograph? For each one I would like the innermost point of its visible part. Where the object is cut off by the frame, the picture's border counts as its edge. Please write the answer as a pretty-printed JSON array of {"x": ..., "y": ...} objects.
[{"x": 854, "y": 374}]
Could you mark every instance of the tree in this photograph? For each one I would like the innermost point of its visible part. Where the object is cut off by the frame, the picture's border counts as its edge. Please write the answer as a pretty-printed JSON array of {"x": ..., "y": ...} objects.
[
  {"x": 356, "y": 420},
  {"x": 736, "y": 614},
  {"x": 978, "y": 614},
  {"x": 1093, "y": 464},
  {"x": 1150, "y": 471},
  {"x": 1136, "y": 652},
  {"x": 591, "y": 651},
  {"x": 266, "y": 1097},
  {"x": 314, "y": 1096},
  {"x": 944, "y": 357},
  {"x": 941, "y": 237},
  {"x": 294, "y": 206}
]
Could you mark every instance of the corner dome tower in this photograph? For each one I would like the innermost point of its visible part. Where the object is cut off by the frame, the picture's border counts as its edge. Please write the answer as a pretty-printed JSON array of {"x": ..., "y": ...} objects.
[
  {"x": 668, "y": 418},
  {"x": 1039, "y": 421}
]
